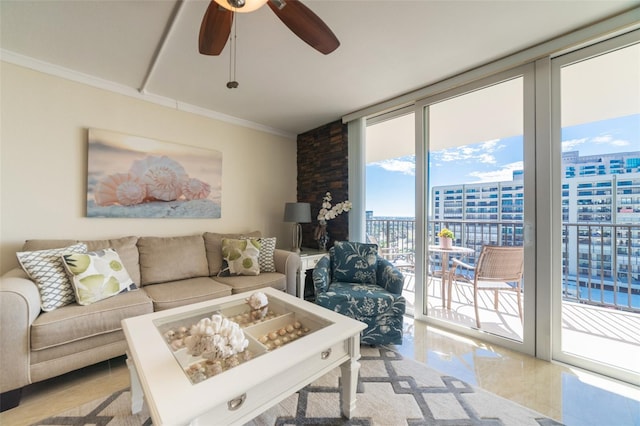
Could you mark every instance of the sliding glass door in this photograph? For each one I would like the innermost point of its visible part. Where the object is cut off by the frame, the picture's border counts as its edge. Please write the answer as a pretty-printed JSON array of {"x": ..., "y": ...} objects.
[
  {"x": 479, "y": 177},
  {"x": 544, "y": 157},
  {"x": 597, "y": 293},
  {"x": 390, "y": 193}
]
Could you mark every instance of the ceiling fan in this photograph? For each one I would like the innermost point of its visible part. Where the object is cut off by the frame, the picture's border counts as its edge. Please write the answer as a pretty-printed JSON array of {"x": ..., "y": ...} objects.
[{"x": 218, "y": 19}]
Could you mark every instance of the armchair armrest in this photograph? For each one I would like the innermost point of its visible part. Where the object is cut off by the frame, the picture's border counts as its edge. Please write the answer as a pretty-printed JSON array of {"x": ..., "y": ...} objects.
[
  {"x": 288, "y": 263},
  {"x": 19, "y": 307},
  {"x": 388, "y": 276},
  {"x": 322, "y": 275}
]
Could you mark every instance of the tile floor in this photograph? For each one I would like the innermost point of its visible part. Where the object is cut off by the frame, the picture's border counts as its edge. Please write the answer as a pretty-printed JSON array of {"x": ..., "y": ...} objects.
[{"x": 569, "y": 395}]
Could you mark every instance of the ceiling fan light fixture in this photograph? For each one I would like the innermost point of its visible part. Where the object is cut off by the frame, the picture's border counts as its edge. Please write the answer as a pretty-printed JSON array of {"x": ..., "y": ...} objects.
[{"x": 242, "y": 6}]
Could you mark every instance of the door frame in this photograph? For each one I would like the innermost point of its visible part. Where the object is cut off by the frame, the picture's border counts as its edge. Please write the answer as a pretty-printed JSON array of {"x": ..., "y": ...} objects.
[
  {"x": 555, "y": 265},
  {"x": 527, "y": 72}
]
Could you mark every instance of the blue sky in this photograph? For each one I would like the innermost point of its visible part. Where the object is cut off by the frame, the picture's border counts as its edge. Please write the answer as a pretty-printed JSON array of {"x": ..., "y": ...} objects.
[{"x": 391, "y": 183}]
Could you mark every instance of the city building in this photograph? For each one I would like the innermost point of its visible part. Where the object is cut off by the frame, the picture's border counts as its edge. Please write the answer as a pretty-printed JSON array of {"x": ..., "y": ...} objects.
[{"x": 600, "y": 205}]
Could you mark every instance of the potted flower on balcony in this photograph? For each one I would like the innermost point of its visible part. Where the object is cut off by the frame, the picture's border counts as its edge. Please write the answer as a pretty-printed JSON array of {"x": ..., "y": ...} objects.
[{"x": 446, "y": 238}]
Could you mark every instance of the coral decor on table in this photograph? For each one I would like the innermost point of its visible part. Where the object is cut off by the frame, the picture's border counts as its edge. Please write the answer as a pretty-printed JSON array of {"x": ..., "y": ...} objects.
[
  {"x": 215, "y": 338},
  {"x": 328, "y": 212}
]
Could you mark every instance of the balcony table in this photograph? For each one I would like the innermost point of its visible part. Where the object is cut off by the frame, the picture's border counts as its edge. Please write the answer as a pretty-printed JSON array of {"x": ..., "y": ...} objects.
[{"x": 445, "y": 252}]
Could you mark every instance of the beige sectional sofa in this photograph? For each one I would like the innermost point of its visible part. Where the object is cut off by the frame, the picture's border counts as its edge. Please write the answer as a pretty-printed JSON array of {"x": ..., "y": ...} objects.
[{"x": 169, "y": 272}]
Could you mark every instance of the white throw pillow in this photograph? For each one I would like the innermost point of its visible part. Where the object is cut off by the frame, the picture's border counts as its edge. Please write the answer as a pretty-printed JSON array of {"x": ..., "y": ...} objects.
[
  {"x": 46, "y": 268},
  {"x": 241, "y": 256},
  {"x": 266, "y": 257},
  {"x": 97, "y": 275}
]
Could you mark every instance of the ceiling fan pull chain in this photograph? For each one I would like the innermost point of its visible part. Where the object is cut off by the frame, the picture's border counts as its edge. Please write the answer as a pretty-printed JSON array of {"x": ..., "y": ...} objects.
[{"x": 232, "y": 83}]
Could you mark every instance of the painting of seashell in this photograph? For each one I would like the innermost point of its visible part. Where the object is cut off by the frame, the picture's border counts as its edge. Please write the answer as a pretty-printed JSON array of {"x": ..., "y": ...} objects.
[
  {"x": 124, "y": 189},
  {"x": 162, "y": 176},
  {"x": 195, "y": 189},
  {"x": 136, "y": 177}
]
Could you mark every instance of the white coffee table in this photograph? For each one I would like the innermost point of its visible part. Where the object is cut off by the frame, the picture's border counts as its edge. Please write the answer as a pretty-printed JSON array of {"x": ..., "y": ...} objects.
[{"x": 239, "y": 394}]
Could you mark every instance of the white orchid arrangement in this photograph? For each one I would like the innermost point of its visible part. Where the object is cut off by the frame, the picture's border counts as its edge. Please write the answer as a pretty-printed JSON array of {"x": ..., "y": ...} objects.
[{"x": 328, "y": 212}]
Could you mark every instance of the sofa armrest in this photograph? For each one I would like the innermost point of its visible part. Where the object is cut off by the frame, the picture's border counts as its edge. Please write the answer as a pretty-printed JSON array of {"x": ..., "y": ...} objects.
[
  {"x": 288, "y": 263},
  {"x": 389, "y": 277},
  {"x": 322, "y": 275},
  {"x": 19, "y": 307}
]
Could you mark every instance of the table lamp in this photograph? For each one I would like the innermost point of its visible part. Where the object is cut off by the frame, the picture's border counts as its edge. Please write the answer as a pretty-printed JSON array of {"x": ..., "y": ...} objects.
[{"x": 297, "y": 213}]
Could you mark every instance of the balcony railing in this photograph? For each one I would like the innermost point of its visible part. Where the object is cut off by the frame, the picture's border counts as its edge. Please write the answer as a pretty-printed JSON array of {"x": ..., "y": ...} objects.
[{"x": 601, "y": 263}]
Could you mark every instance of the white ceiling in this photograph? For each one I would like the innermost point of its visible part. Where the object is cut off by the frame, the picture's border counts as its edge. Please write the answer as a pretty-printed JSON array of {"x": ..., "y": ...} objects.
[{"x": 387, "y": 48}]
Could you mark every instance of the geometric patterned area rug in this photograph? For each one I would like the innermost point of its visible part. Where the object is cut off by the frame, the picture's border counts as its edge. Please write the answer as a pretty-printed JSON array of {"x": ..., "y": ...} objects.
[{"x": 391, "y": 391}]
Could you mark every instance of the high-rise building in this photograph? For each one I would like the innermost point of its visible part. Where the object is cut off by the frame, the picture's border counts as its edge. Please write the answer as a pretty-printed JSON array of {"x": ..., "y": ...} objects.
[{"x": 600, "y": 215}]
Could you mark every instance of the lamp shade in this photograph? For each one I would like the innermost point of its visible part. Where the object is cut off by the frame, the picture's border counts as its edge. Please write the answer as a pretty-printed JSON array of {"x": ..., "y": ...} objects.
[{"x": 297, "y": 212}]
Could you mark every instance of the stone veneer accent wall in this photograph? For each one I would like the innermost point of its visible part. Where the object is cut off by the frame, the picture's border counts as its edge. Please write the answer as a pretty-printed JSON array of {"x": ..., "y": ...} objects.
[{"x": 323, "y": 166}]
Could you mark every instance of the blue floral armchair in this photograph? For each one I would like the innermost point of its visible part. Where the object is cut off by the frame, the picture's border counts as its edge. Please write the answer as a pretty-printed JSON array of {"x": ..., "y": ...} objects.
[{"x": 354, "y": 281}]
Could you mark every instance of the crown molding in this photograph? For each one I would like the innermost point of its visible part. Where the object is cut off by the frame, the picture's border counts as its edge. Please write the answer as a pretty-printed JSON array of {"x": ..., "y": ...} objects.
[{"x": 89, "y": 80}]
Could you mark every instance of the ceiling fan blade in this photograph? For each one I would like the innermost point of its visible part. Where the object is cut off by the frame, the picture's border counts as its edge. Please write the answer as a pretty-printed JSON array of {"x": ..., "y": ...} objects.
[
  {"x": 306, "y": 25},
  {"x": 215, "y": 29}
]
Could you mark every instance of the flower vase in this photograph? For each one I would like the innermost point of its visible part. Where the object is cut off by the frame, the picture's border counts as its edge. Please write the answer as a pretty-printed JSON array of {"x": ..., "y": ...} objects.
[
  {"x": 323, "y": 240},
  {"x": 446, "y": 243},
  {"x": 321, "y": 235}
]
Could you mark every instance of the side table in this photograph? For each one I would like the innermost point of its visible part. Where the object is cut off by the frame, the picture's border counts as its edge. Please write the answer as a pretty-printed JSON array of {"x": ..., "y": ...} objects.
[{"x": 308, "y": 260}]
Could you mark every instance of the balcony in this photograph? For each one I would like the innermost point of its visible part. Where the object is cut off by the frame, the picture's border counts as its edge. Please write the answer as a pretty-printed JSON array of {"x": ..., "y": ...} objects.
[
  {"x": 610, "y": 336},
  {"x": 600, "y": 315}
]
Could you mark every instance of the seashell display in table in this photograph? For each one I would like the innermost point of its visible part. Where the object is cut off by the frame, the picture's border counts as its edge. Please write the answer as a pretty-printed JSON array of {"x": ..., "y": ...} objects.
[
  {"x": 228, "y": 337},
  {"x": 259, "y": 305}
]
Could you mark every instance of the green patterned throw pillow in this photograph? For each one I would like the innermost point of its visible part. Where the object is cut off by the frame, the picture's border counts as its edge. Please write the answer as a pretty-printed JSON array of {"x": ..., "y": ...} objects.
[
  {"x": 241, "y": 256},
  {"x": 97, "y": 275}
]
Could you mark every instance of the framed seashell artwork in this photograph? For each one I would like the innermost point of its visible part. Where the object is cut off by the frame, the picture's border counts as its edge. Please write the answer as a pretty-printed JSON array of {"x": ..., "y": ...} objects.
[{"x": 135, "y": 177}]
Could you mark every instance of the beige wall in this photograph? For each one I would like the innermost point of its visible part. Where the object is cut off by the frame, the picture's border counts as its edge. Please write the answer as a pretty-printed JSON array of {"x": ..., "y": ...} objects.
[{"x": 43, "y": 150}]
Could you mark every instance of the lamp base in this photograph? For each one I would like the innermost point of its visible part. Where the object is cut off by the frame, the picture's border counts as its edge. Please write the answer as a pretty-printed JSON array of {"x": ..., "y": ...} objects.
[{"x": 296, "y": 238}]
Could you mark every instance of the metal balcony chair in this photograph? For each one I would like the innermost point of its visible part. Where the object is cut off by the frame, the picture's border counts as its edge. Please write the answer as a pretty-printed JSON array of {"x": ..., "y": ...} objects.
[{"x": 498, "y": 269}]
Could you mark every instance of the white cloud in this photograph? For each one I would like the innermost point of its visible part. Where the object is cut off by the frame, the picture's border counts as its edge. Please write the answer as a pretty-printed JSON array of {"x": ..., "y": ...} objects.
[
  {"x": 401, "y": 165},
  {"x": 620, "y": 142},
  {"x": 505, "y": 173},
  {"x": 491, "y": 145},
  {"x": 572, "y": 144},
  {"x": 481, "y": 153}
]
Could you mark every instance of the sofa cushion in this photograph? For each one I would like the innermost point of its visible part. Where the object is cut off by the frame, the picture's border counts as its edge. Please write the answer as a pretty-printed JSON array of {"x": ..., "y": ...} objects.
[
  {"x": 45, "y": 267},
  {"x": 164, "y": 259},
  {"x": 213, "y": 244},
  {"x": 75, "y": 322},
  {"x": 255, "y": 282},
  {"x": 241, "y": 256},
  {"x": 127, "y": 250},
  {"x": 97, "y": 275},
  {"x": 184, "y": 292},
  {"x": 125, "y": 246},
  {"x": 46, "y": 244}
]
